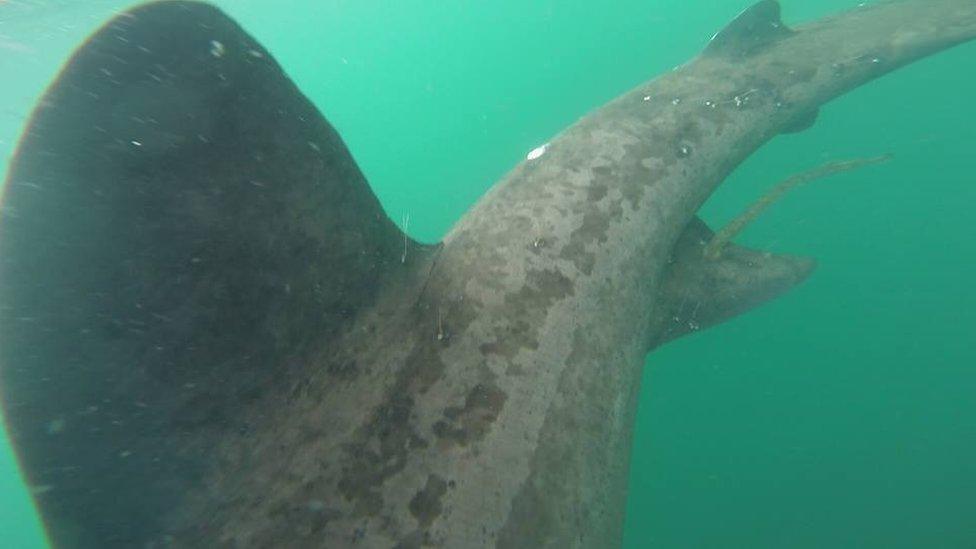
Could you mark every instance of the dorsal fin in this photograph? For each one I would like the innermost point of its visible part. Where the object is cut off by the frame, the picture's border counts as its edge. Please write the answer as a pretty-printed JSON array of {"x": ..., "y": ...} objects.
[
  {"x": 754, "y": 29},
  {"x": 184, "y": 228}
]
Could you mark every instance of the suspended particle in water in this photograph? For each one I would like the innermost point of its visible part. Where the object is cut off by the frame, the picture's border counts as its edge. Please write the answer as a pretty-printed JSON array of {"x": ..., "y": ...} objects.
[{"x": 217, "y": 49}]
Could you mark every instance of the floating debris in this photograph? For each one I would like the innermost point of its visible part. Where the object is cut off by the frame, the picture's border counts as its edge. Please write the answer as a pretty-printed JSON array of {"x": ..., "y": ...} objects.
[
  {"x": 713, "y": 250},
  {"x": 217, "y": 49}
]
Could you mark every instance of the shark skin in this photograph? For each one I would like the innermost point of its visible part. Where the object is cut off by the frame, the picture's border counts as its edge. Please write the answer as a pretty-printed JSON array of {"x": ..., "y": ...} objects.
[{"x": 214, "y": 337}]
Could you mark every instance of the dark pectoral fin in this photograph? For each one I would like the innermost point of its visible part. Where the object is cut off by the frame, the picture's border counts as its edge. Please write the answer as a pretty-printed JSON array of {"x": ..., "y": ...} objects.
[
  {"x": 179, "y": 224},
  {"x": 754, "y": 29},
  {"x": 803, "y": 122},
  {"x": 698, "y": 292}
]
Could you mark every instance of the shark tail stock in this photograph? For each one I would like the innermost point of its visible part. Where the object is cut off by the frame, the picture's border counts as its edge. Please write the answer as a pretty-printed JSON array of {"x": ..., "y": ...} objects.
[{"x": 709, "y": 280}]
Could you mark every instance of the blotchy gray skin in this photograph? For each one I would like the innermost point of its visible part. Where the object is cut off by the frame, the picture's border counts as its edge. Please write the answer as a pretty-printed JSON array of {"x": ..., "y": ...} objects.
[
  {"x": 506, "y": 420},
  {"x": 485, "y": 396}
]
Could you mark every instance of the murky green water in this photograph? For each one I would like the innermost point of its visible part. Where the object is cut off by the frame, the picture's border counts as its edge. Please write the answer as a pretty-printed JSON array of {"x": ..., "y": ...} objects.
[{"x": 842, "y": 415}]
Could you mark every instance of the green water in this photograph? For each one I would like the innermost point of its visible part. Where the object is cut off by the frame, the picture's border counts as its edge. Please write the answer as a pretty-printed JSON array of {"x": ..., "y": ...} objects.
[{"x": 842, "y": 415}]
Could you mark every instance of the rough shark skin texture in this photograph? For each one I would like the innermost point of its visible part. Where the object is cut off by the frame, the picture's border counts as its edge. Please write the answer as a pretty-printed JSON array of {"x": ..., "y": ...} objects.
[{"x": 214, "y": 337}]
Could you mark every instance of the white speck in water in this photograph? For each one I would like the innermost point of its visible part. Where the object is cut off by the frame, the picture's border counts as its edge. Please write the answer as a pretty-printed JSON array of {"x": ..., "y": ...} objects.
[
  {"x": 255, "y": 53},
  {"x": 537, "y": 152},
  {"x": 676, "y": 101},
  {"x": 217, "y": 49},
  {"x": 647, "y": 98},
  {"x": 136, "y": 143}
]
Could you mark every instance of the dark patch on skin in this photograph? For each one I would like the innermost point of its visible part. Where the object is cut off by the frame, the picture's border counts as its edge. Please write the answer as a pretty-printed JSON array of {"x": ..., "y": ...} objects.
[
  {"x": 371, "y": 467},
  {"x": 687, "y": 137},
  {"x": 576, "y": 252},
  {"x": 472, "y": 422},
  {"x": 528, "y": 309},
  {"x": 633, "y": 190},
  {"x": 689, "y": 131},
  {"x": 717, "y": 116},
  {"x": 512, "y": 337},
  {"x": 596, "y": 191},
  {"x": 383, "y": 444},
  {"x": 593, "y": 230},
  {"x": 616, "y": 210},
  {"x": 543, "y": 287},
  {"x": 414, "y": 540},
  {"x": 425, "y": 506}
]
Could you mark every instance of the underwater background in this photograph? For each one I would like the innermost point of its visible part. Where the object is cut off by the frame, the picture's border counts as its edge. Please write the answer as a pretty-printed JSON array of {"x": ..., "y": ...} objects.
[{"x": 841, "y": 415}]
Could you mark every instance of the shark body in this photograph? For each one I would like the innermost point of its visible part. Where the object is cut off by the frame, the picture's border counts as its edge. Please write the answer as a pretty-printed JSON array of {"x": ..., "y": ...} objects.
[{"x": 213, "y": 336}]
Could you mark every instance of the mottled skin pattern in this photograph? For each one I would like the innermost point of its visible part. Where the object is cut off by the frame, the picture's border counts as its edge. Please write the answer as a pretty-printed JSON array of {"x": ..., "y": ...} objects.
[
  {"x": 515, "y": 405},
  {"x": 486, "y": 396}
]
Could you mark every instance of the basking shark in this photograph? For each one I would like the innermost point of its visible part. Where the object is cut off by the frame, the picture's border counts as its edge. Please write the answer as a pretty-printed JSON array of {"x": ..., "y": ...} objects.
[{"x": 213, "y": 335}]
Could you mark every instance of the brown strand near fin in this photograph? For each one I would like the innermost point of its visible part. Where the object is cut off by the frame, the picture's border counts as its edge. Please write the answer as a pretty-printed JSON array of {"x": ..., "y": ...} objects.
[
  {"x": 713, "y": 250},
  {"x": 697, "y": 293}
]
